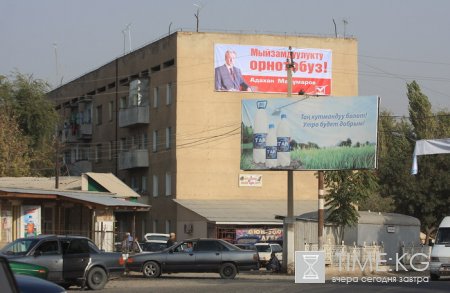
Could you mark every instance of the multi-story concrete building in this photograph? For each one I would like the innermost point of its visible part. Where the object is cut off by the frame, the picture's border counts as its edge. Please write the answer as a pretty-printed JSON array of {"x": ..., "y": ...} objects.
[{"x": 154, "y": 119}]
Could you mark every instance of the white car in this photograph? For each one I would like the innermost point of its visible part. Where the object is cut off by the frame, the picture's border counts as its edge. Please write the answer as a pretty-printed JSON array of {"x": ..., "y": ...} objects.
[
  {"x": 156, "y": 237},
  {"x": 266, "y": 249},
  {"x": 440, "y": 254}
]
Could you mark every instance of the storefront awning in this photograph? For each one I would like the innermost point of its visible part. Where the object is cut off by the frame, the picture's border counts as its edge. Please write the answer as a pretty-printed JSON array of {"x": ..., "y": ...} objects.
[
  {"x": 240, "y": 212},
  {"x": 88, "y": 198}
]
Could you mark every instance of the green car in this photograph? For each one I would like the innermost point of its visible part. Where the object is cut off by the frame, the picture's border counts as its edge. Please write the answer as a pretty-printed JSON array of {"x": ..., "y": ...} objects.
[{"x": 22, "y": 268}]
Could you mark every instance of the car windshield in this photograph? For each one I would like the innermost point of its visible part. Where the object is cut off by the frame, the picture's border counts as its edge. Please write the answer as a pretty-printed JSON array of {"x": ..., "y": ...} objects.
[
  {"x": 263, "y": 248},
  {"x": 19, "y": 246},
  {"x": 443, "y": 236}
]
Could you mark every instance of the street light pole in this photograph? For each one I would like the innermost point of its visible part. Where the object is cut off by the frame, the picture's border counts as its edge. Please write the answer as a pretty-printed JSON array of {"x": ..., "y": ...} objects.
[{"x": 288, "y": 258}]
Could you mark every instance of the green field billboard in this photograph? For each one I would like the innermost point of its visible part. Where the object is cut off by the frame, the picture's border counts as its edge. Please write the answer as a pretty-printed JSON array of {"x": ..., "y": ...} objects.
[{"x": 309, "y": 133}]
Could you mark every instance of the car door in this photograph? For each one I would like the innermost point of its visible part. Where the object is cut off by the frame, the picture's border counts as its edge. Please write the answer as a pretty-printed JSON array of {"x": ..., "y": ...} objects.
[
  {"x": 47, "y": 253},
  {"x": 180, "y": 259},
  {"x": 76, "y": 257},
  {"x": 208, "y": 255}
]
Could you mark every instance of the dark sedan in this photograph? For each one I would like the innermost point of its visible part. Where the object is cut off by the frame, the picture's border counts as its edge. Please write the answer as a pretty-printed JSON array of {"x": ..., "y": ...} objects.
[
  {"x": 196, "y": 255},
  {"x": 71, "y": 260}
]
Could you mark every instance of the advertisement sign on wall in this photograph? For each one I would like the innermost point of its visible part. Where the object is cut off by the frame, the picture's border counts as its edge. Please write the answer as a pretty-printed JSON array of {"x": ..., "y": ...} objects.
[
  {"x": 31, "y": 221},
  {"x": 261, "y": 233},
  {"x": 309, "y": 133},
  {"x": 263, "y": 69}
]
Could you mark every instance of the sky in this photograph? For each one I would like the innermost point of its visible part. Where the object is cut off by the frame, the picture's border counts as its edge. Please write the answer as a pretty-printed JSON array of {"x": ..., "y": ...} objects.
[{"x": 398, "y": 40}]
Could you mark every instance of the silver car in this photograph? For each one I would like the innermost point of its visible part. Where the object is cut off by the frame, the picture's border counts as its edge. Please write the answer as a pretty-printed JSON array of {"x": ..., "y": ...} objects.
[{"x": 71, "y": 260}]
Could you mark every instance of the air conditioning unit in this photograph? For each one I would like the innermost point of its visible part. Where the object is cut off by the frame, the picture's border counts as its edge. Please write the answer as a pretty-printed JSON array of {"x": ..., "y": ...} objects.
[{"x": 188, "y": 228}]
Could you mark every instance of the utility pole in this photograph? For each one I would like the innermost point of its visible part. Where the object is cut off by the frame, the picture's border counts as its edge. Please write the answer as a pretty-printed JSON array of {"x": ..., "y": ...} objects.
[
  {"x": 320, "y": 214},
  {"x": 56, "y": 162},
  {"x": 288, "y": 243}
]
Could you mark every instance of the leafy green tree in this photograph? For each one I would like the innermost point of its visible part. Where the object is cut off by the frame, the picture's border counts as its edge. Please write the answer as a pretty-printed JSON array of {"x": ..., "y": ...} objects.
[
  {"x": 24, "y": 98},
  {"x": 425, "y": 195},
  {"x": 14, "y": 151},
  {"x": 346, "y": 188}
]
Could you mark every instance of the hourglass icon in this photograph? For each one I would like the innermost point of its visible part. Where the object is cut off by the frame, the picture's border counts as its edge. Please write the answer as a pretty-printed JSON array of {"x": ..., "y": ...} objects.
[{"x": 310, "y": 273}]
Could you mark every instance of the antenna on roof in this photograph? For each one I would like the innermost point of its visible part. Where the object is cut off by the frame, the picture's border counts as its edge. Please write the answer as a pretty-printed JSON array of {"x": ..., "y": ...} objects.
[
  {"x": 197, "y": 15},
  {"x": 345, "y": 25},
  {"x": 126, "y": 30}
]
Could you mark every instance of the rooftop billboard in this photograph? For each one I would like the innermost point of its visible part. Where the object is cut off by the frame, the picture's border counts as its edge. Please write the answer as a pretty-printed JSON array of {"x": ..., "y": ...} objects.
[
  {"x": 263, "y": 69},
  {"x": 309, "y": 133}
]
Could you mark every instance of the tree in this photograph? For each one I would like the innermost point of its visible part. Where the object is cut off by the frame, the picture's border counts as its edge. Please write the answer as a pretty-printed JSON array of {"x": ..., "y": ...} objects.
[
  {"x": 345, "y": 189},
  {"x": 14, "y": 151},
  {"x": 424, "y": 196},
  {"x": 23, "y": 98}
]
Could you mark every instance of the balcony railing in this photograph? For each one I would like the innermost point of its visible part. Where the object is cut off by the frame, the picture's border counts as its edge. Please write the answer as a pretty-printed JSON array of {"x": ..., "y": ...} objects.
[
  {"x": 134, "y": 116},
  {"x": 133, "y": 159}
]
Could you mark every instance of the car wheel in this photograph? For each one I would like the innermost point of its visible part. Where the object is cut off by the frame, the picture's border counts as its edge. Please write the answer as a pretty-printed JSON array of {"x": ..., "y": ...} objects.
[
  {"x": 434, "y": 277},
  {"x": 96, "y": 278},
  {"x": 228, "y": 271},
  {"x": 151, "y": 270}
]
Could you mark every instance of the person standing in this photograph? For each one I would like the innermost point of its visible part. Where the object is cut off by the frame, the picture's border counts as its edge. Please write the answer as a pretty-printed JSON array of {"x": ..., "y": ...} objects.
[
  {"x": 229, "y": 77},
  {"x": 172, "y": 240}
]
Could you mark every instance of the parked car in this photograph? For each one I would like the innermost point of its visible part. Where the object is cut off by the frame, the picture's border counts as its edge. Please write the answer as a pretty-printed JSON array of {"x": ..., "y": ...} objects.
[
  {"x": 265, "y": 250},
  {"x": 22, "y": 268},
  {"x": 196, "y": 255},
  {"x": 440, "y": 253},
  {"x": 13, "y": 283},
  {"x": 71, "y": 260}
]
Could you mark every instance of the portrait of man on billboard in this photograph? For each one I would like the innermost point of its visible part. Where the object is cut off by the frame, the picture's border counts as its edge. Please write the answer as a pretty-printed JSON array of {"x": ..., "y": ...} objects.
[{"x": 229, "y": 77}]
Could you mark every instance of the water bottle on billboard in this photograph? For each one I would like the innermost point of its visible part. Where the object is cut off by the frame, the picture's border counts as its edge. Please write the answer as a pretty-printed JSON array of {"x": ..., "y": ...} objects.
[
  {"x": 283, "y": 139},
  {"x": 260, "y": 133},
  {"x": 271, "y": 147}
]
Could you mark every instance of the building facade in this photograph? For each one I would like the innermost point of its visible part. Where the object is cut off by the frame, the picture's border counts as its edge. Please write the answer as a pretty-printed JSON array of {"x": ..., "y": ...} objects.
[{"x": 154, "y": 118}]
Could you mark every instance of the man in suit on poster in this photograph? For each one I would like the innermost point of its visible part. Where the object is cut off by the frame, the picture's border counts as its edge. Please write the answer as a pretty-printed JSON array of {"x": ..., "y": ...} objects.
[{"x": 229, "y": 77}]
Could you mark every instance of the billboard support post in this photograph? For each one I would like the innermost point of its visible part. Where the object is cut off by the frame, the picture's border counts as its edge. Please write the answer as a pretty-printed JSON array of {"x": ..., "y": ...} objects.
[{"x": 289, "y": 241}]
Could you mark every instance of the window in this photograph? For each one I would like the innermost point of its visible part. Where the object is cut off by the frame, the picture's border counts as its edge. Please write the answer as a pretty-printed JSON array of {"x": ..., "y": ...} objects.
[
  {"x": 123, "y": 102},
  {"x": 168, "y": 137},
  {"x": 48, "y": 248},
  {"x": 167, "y": 226},
  {"x": 75, "y": 246},
  {"x": 122, "y": 142},
  {"x": 155, "y": 97},
  {"x": 111, "y": 110},
  {"x": 168, "y": 184},
  {"x": 134, "y": 184},
  {"x": 110, "y": 150},
  {"x": 98, "y": 152},
  {"x": 155, "y": 140},
  {"x": 155, "y": 226},
  {"x": 98, "y": 115},
  {"x": 144, "y": 184},
  {"x": 209, "y": 246},
  {"x": 169, "y": 94},
  {"x": 155, "y": 185},
  {"x": 144, "y": 140}
]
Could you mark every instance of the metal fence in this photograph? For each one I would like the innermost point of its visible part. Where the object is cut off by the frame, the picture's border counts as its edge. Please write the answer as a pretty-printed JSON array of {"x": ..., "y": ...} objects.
[{"x": 336, "y": 255}]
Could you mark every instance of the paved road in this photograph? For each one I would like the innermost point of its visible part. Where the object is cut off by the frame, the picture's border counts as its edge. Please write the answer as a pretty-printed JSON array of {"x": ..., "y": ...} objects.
[{"x": 258, "y": 283}]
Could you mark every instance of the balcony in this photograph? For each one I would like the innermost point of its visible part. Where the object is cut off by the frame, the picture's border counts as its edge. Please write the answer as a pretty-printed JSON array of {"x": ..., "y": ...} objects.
[
  {"x": 134, "y": 116},
  {"x": 133, "y": 159},
  {"x": 85, "y": 131}
]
